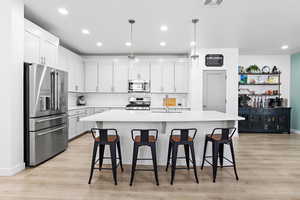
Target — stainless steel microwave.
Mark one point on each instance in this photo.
(138, 86)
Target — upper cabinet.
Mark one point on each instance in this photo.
(120, 74)
(181, 77)
(105, 76)
(39, 45)
(91, 75)
(139, 70)
(73, 64)
(169, 77)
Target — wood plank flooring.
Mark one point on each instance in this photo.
(268, 167)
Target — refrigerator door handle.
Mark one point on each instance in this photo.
(53, 90)
(56, 90)
(49, 119)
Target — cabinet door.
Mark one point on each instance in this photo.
(91, 76)
(72, 127)
(73, 71)
(120, 78)
(181, 77)
(105, 74)
(62, 59)
(79, 74)
(168, 76)
(156, 77)
(139, 70)
(31, 48)
(49, 51)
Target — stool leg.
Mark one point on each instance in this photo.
(120, 155)
(169, 154)
(204, 152)
(194, 161)
(174, 158)
(153, 151)
(93, 161)
(221, 154)
(187, 155)
(233, 160)
(134, 159)
(215, 160)
(101, 155)
(114, 161)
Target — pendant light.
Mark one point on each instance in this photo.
(194, 55)
(131, 22)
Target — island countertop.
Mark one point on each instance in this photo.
(151, 116)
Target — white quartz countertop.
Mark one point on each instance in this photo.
(149, 116)
(119, 107)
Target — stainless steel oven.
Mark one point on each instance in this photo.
(138, 86)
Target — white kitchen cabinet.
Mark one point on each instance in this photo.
(139, 70)
(31, 47)
(156, 77)
(105, 76)
(120, 76)
(72, 127)
(168, 77)
(73, 64)
(91, 75)
(39, 45)
(181, 77)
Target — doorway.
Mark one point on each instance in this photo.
(214, 90)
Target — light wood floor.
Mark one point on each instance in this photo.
(268, 166)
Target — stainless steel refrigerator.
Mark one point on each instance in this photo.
(45, 113)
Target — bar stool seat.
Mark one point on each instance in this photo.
(216, 137)
(110, 138)
(138, 139)
(177, 138)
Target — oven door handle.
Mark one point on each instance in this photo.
(50, 131)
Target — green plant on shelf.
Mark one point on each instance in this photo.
(253, 69)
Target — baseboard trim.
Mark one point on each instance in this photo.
(12, 171)
(295, 131)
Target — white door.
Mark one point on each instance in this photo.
(156, 77)
(168, 76)
(139, 71)
(31, 48)
(72, 127)
(181, 77)
(214, 90)
(62, 59)
(105, 74)
(79, 73)
(72, 72)
(91, 76)
(120, 73)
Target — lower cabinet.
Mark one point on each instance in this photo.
(77, 127)
(265, 120)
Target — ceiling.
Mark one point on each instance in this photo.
(254, 26)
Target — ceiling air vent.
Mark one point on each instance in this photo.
(212, 2)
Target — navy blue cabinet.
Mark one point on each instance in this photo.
(265, 120)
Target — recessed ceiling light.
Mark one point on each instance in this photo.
(212, 2)
(63, 11)
(128, 44)
(99, 44)
(162, 44)
(193, 43)
(85, 31)
(163, 28)
(116, 60)
(284, 47)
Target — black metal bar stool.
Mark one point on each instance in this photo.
(218, 142)
(187, 141)
(144, 137)
(104, 138)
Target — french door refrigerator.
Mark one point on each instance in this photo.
(45, 113)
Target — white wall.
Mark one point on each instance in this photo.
(283, 63)
(11, 86)
(231, 56)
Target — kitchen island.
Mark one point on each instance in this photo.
(124, 121)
